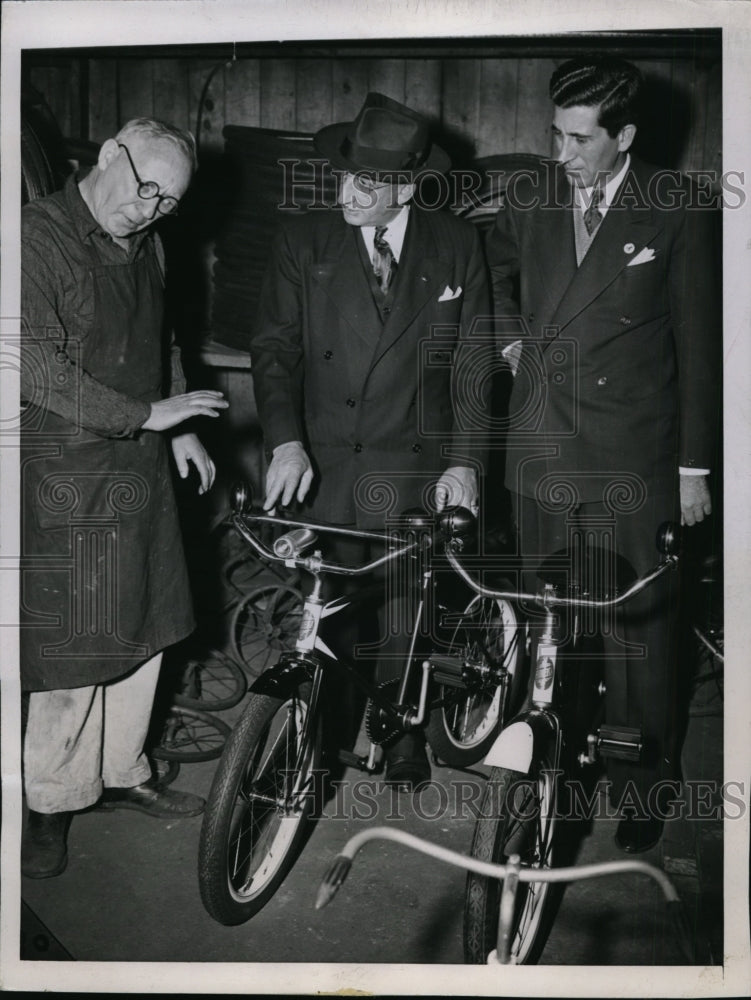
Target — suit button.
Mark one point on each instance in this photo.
(386, 310)
(350, 402)
(625, 320)
(328, 355)
(417, 448)
(358, 448)
(603, 380)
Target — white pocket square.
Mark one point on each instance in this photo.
(447, 294)
(642, 257)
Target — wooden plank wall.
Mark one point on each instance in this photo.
(482, 105)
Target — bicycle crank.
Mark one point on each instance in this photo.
(378, 726)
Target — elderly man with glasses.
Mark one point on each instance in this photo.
(104, 584)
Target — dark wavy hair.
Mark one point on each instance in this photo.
(613, 85)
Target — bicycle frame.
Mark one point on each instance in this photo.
(307, 659)
(540, 726)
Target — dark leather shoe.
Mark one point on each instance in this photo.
(150, 798)
(407, 765)
(637, 835)
(44, 852)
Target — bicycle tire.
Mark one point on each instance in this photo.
(517, 816)
(189, 736)
(464, 724)
(235, 887)
(265, 624)
(218, 682)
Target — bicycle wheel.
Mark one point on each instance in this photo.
(265, 624)
(188, 736)
(466, 720)
(213, 683)
(517, 816)
(258, 808)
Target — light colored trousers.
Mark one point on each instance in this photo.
(79, 740)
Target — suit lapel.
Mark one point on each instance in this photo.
(631, 223)
(340, 274)
(422, 277)
(554, 250)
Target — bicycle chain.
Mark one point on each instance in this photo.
(378, 727)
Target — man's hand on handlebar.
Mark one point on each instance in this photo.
(289, 476)
(166, 413)
(457, 487)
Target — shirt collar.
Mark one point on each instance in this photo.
(395, 232)
(609, 190)
(83, 220)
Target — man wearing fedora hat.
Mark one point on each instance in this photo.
(366, 314)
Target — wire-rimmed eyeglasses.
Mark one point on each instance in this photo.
(167, 205)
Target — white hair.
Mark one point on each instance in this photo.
(152, 128)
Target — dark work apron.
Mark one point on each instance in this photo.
(104, 584)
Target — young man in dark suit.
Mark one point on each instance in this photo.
(613, 335)
(365, 315)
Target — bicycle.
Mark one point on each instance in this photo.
(265, 790)
(519, 806)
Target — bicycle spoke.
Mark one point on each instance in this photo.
(267, 804)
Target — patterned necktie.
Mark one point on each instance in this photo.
(384, 264)
(591, 216)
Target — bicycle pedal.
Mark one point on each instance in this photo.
(448, 670)
(620, 742)
(359, 761)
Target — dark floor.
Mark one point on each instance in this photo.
(130, 892)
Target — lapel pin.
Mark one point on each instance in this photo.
(629, 248)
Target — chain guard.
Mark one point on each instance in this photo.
(378, 727)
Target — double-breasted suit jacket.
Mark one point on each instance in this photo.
(616, 390)
(619, 370)
(380, 390)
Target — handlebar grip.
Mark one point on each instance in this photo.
(456, 522)
(293, 543)
(240, 497)
(668, 540)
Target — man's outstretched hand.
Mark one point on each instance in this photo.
(166, 413)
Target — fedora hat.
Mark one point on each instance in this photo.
(385, 138)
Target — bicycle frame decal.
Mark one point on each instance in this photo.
(312, 615)
(544, 673)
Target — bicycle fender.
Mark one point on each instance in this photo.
(281, 680)
(519, 742)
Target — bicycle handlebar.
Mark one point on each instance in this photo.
(548, 597)
(451, 524)
(340, 867)
(314, 563)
